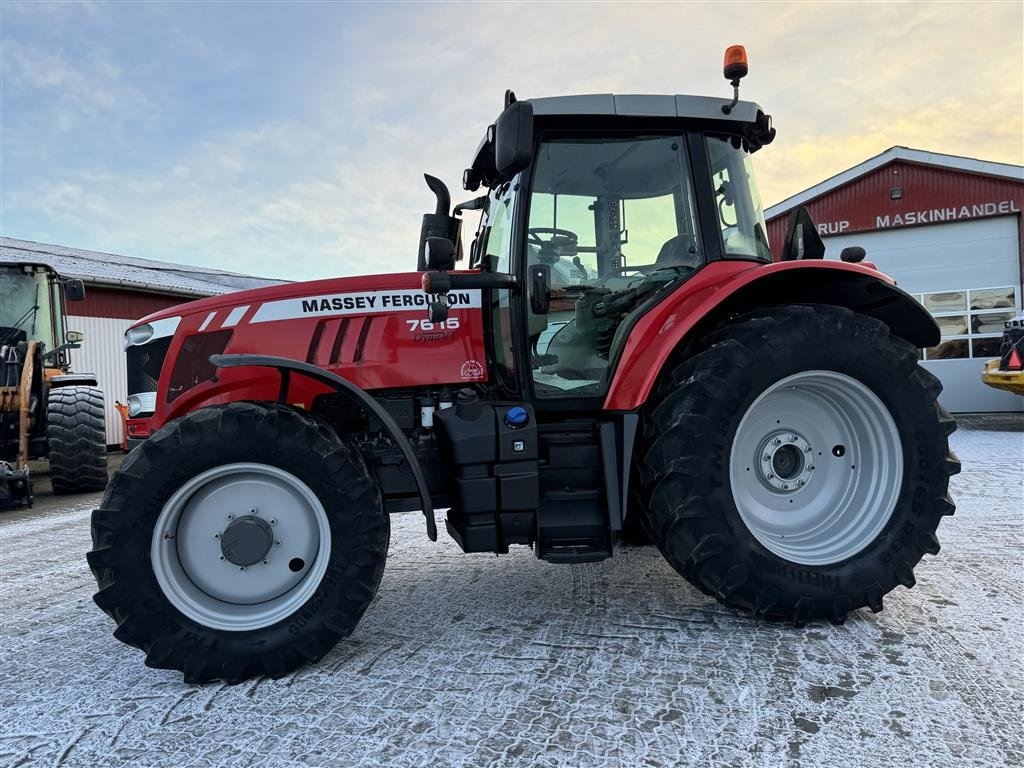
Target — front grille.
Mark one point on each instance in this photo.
(144, 363)
(193, 365)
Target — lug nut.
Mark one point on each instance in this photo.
(807, 449)
(252, 510)
(776, 441)
(273, 521)
(766, 457)
(222, 557)
(793, 438)
(241, 567)
(785, 487)
(266, 562)
(810, 468)
(216, 535)
(277, 543)
(230, 516)
(771, 476)
(801, 483)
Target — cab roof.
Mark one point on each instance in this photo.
(645, 105)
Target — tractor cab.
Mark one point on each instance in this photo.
(32, 309)
(596, 207)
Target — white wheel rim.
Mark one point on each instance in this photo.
(816, 467)
(188, 546)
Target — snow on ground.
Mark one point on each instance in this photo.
(474, 660)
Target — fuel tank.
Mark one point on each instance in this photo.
(372, 330)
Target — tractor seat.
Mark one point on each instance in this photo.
(679, 251)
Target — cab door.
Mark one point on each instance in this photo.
(614, 220)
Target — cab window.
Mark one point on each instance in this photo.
(737, 201)
(614, 219)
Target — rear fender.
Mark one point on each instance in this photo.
(726, 288)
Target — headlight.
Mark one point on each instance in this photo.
(146, 332)
(143, 402)
(140, 334)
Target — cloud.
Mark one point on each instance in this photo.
(294, 144)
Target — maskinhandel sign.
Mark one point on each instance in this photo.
(927, 216)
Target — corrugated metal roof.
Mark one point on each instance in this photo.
(922, 157)
(128, 272)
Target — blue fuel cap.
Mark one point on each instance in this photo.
(516, 417)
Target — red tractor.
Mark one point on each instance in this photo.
(621, 352)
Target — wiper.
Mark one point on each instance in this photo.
(12, 329)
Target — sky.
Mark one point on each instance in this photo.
(289, 141)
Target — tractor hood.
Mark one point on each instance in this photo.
(373, 330)
(343, 291)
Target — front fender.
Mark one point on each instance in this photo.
(726, 288)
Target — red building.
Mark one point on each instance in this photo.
(949, 230)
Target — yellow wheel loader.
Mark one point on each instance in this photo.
(45, 410)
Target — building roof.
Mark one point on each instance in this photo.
(127, 272)
(644, 105)
(906, 154)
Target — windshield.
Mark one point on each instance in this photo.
(24, 306)
(605, 210)
(740, 213)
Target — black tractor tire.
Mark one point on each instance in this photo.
(684, 456)
(77, 437)
(264, 433)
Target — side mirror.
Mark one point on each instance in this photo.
(75, 337)
(74, 290)
(802, 238)
(439, 253)
(540, 285)
(513, 139)
(853, 254)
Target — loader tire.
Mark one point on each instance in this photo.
(240, 540)
(835, 514)
(77, 439)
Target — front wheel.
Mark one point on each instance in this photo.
(798, 466)
(239, 540)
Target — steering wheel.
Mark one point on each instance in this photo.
(558, 242)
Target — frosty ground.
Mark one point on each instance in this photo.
(474, 660)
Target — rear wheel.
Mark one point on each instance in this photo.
(239, 540)
(77, 438)
(798, 466)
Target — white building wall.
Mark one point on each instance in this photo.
(951, 260)
(102, 353)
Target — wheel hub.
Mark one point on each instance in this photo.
(246, 541)
(784, 461)
(225, 561)
(816, 467)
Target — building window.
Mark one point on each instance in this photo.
(971, 321)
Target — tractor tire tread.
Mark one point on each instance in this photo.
(76, 438)
(685, 502)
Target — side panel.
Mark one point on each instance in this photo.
(724, 287)
(373, 332)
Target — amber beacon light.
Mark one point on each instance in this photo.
(735, 62)
(735, 67)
